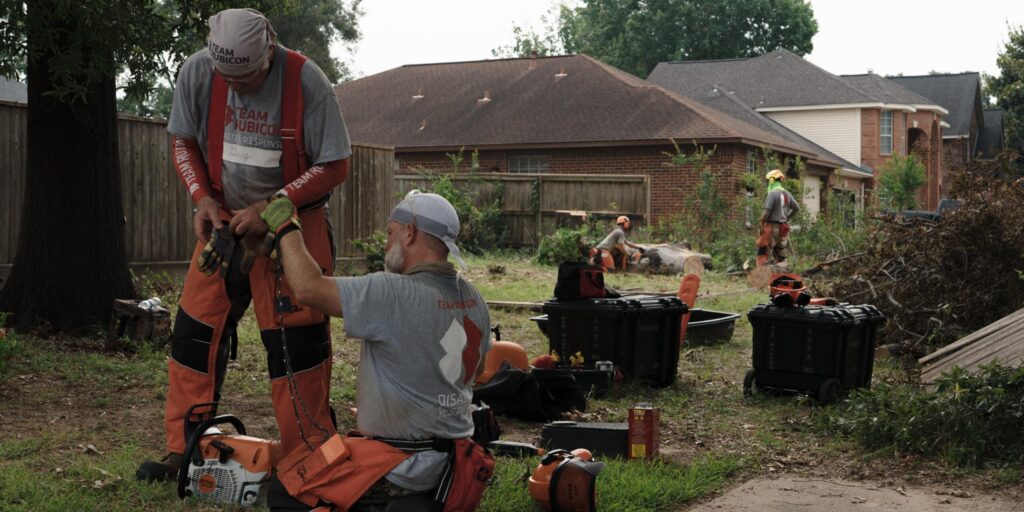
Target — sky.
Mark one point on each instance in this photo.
(888, 37)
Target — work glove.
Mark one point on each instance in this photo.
(280, 217)
(216, 256)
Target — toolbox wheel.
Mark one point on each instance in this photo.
(749, 385)
(830, 391)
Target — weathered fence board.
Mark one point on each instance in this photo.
(158, 211)
(529, 201)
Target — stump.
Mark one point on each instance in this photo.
(130, 321)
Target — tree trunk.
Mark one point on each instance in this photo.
(71, 263)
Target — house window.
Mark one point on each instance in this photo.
(885, 128)
(751, 161)
(528, 164)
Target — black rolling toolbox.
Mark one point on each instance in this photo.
(821, 351)
(638, 333)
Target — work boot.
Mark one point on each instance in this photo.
(164, 471)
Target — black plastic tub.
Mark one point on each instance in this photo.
(707, 327)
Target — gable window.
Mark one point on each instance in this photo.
(528, 164)
(885, 129)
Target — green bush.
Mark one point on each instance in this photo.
(481, 226)
(565, 244)
(373, 246)
(899, 179)
(969, 420)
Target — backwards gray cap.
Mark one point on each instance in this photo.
(239, 40)
(432, 214)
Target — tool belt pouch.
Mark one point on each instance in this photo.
(469, 471)
(485, 425)
(302, 469)
(579, 281)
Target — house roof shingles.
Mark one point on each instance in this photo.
(779, 78)
(567, 100)
(886, 90)
(959, 94)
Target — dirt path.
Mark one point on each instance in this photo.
(789, 493)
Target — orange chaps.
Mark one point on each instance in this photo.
(207, 318)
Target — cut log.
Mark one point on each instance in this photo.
(672, 259)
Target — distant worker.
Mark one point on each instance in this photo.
(616, 245)
(779, 207)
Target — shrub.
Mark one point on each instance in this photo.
(970, 420)
(373, 246)
(481, 224)
(899, 179)
(566, 244)
(8, 344)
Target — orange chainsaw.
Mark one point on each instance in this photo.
(226, 469)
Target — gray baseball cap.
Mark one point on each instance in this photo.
(239, 40)
(432, 214)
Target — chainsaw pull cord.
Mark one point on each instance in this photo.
(293, 388)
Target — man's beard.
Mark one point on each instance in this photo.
(394, 259)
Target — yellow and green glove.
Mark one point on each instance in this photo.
(281, 217)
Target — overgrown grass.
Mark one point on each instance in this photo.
(711, 434)
(968, 420)
(627, 486)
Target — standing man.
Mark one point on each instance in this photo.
(251, 120)
(424, 333)
(779, 207)
(616, 243)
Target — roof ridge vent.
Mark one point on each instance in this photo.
(419, 94)
(486, 98)
(561, 73)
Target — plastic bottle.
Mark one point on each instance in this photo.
(150, 304)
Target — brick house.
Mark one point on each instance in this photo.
(973, 132)
(863, 119)
(566, 114)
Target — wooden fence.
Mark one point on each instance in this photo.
(158, 211)
(530, 202)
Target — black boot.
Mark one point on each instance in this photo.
(164, 471)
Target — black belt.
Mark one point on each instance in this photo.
(423, 445)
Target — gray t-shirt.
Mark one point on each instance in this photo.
(616, 237)
(252, 145)
(421, 333)
(780, 205)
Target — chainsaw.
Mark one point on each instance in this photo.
(225, 469)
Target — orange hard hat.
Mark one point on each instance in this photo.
(500, 352)
(623, 220)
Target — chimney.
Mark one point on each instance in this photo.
(533, 59)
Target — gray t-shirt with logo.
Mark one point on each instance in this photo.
(616, 237)
(252, 145)
(421, 334)
(780, 205)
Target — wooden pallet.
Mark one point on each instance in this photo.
(1002, 341)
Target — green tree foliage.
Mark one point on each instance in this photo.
(527, 40)
(899, 180)
(635, 35)
(1008, 88)
(310, 26)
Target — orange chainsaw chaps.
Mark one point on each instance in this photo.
(312, 386)
(263, 278)
(688, 294)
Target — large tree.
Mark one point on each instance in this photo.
(1008, 88)
(71, 260)
(634, 35)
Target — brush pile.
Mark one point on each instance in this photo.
(938, 281)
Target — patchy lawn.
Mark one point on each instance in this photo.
(76, 421)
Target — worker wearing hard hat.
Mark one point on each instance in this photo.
(617, 245)
(779, 207)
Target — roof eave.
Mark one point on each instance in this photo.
(834, 106)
